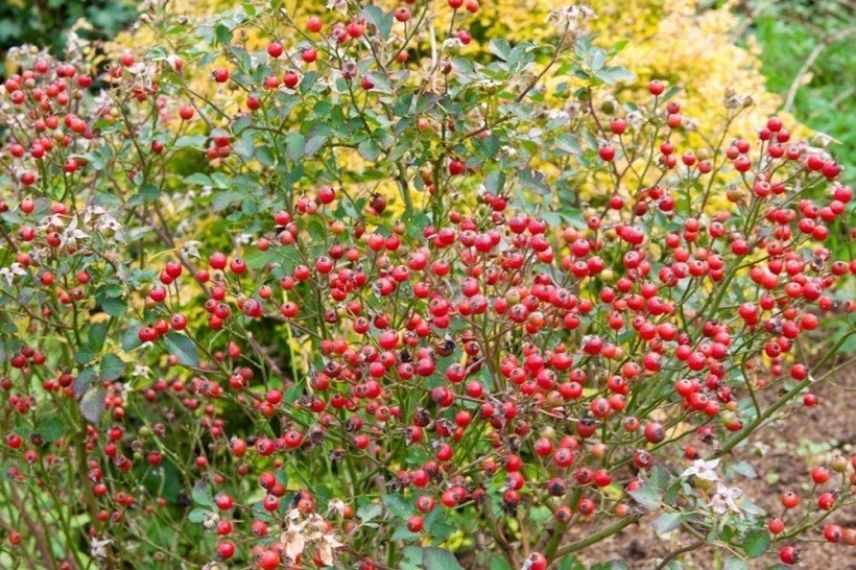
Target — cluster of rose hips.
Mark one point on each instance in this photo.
(519, 359)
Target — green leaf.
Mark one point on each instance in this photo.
(494, 182)
(650, 494)
(183, 348)
(112, 367)
(201, 494)
(440, 559)
(97, 335)
(380, 19)
(223, 200)
(369, 511)
(734, 563)
(51, 428)
(130, 338)
(92, 404)
(668, 522)
(403, 533)
(397, 505)
(113, 306)
(437, 525)
(742, 468)
(369, 150)
(197, 515)
(612, 75)
(191, 141)
(756, 542)
(534, 180)
(570, 562)
(497, 562)
(198, 179)
(314, 144)
(83, 381)
(412, 558)
(295, 144)
(500, 48)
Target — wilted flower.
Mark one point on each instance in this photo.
(725, 499)
(571, 18)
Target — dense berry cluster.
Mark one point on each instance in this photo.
(332, 316)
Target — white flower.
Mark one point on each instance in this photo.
(99, 547)
(243, 239)
(703, 470)
(108, 223)
(141, 370)
(72, 234)
(9, 273)
(725, 499)
(340, 5)
(635, 118)
(191, 249)
(210, 520)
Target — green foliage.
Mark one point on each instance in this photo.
(789, 32)
(46, 23)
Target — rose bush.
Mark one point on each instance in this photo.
(373, 303)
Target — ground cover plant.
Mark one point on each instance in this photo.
(371, 299)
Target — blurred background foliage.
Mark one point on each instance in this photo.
(793, 56)
(48, 22)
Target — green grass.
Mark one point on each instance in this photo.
(827, 101)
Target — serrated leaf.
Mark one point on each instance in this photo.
(440, 559)
(183, 348)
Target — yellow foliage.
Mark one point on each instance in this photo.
(677, 40)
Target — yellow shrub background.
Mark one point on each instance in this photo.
(676, 40)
